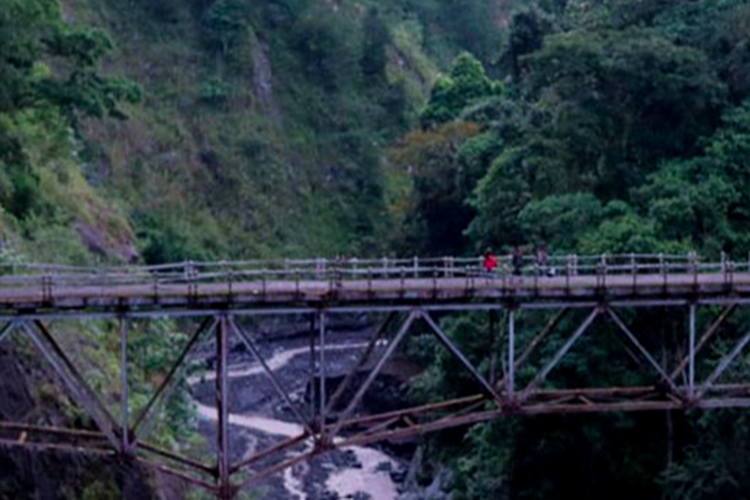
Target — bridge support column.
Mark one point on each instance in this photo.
(312, 367)
(125, 395)
(322, 373)
(495, 336)
(225, 490)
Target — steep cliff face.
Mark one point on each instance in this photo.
(28, 393)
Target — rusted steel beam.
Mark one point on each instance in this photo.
(247, 340)
(477, 399)
(593, 392)
(156, 450)
(361, 362)
(179, 366)
(552, 396)
(76, 433)
(387, 423)
(484, 385)
(392, 345)
(538, 409)
(261, 475)
(56, 447)
(71, 367)
(710, 332)
(286, 444)
(417, 410)
(74, 384)
(542, 374)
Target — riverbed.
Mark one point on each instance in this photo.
(259, 419)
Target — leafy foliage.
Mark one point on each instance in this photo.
(619, 127)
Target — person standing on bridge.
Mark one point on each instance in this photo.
(542, 258)
(517, 260)
(490, 262)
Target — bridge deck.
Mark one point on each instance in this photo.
(63, 295)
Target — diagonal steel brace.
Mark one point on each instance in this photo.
(704, 339)
(644, 352)
(723, 365)
(548, 329)
(76, 387)
(455, 352)
(277, 385)
(361, 362)
(7, 330)
(147, 414)
(392, 345)
(542, 375)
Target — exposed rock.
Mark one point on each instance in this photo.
(52, 475)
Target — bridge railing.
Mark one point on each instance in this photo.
(335, 270)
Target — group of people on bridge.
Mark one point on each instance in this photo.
(491, 262)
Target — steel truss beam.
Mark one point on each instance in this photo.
(223, 481)
(724, 364)
(79, 390)
(146, 416)
(644, 352)
(392, 345)
(709, 333)
(334, 308)
(275, 382)
(536, 341)
(116, 436)
(484, 385)
(361, 362)
(7, 330)
(551, 364)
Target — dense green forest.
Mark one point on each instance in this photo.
(150, 132)
(613, 126)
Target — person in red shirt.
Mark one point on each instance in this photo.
(490, 261)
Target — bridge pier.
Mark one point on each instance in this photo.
(125, 389)
(223, 479)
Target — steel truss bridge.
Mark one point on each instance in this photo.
(582, 290)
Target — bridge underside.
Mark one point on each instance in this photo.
(513, 382)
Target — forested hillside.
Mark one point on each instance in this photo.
(258, 129)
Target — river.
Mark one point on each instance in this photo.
(365, 474)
